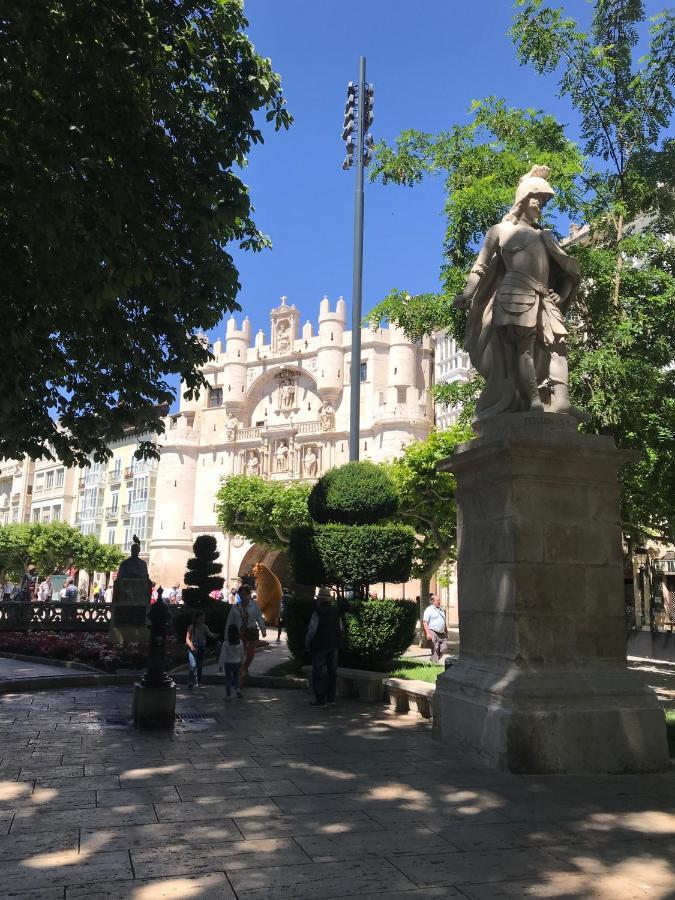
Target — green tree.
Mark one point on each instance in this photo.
(123, 126)
(623, 342)
(264, 512)
(427, 500)
(52, 548)
(202, 576)
(621, 357)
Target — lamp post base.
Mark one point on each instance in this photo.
(154, 705)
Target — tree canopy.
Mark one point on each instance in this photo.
(427, 498)
(264, 512)
(122, 129)
(622, 341)
(53, 548)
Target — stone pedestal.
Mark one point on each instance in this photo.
(154, 705)
(541, 685)
(131, 598)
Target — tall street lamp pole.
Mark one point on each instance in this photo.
(358, 118)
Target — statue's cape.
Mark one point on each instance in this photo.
(490, 355)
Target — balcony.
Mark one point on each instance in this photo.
(112, 513)
(115, 477)
(91, 518)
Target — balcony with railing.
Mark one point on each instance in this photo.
(115, 477)
(89, 517)
(112, 513)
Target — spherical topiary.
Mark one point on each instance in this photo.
(357, 493)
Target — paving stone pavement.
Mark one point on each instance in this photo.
(269, 799)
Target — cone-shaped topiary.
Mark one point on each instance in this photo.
(202, 572)
(358, 493)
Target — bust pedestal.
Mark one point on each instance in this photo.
(131, 596)
(541, 685)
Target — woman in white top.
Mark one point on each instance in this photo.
(247, 616)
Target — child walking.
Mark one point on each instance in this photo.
(231, 658)
(196, 642)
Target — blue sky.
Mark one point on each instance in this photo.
(427, 61)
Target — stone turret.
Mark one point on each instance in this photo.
(172, 539)
(237, 343)
(330, 356)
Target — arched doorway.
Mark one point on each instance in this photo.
(277, 562)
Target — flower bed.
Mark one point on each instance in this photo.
(96, 650)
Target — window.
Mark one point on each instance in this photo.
(49, 480)
(36, 515)
(58, 478)
(46, 515)
(111, 535)
(114, 501)
(364, 372)
(215, 397)
(117, 468)
(15, 514)
(39, 483)
(56, 513)
(138, 496)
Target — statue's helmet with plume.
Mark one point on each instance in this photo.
(534, 182)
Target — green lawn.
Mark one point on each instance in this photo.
(670, 729)
(403, 668)
(415, 670)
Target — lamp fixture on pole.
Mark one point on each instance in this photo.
(359, 143)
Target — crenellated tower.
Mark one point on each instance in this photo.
(330, 354)
(237, 343)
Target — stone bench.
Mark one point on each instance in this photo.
(410, 696)
(366, 686)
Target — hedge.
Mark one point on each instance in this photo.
(357, 493)
(375, 632)
(349, 554)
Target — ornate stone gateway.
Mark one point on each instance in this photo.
(541, 685)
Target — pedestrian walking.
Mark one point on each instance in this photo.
(46, 590)
(195, 639)
(109, 593)
(231, 658)
(247, 617)
(281, 621)
(71, 594)
(323, 639)
(435, 628)
(7, 591)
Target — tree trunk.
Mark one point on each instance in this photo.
(425, 587)
(619, 263)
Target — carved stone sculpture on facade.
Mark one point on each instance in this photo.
(283, 337)
(281, 457)
(517, 294)
(287, 395)
(326, 417)
(231, 427)
(253, 464)
(310, 463)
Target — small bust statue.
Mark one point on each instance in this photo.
(134, 566)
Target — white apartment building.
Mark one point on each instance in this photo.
(451, 364)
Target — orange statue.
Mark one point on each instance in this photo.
(268, 588)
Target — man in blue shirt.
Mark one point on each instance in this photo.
(435, 628)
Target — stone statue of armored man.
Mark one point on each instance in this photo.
(517, 294)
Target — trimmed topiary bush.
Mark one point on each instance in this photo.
(202, 572)
(348, 554)
(357, 493)
(375, 632)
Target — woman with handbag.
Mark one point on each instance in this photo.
(247, 616)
